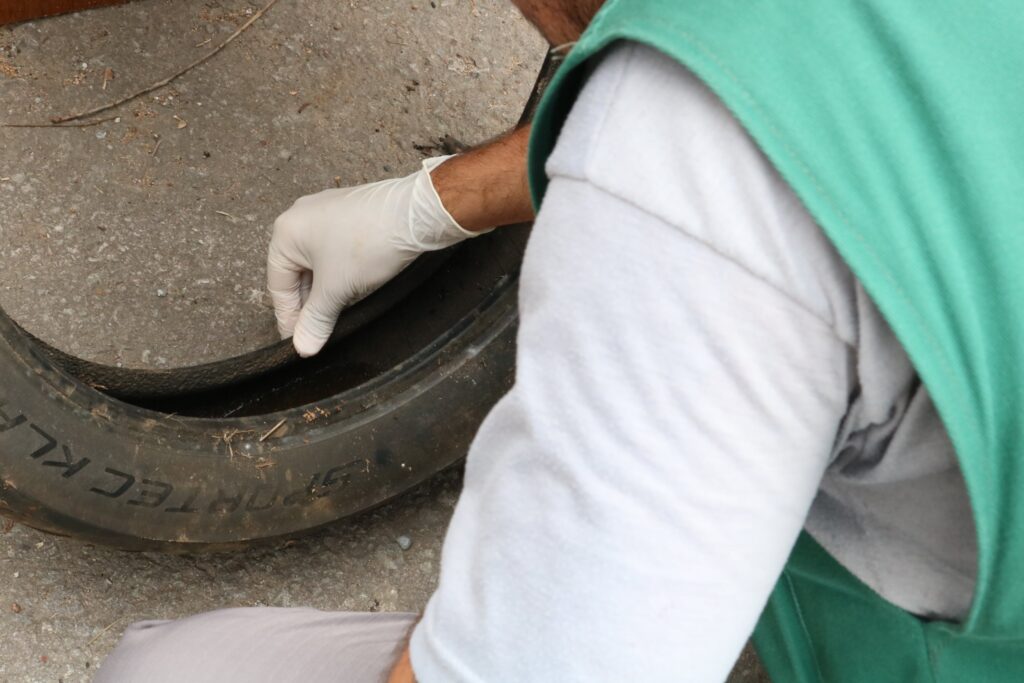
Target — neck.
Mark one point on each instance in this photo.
(560, 21)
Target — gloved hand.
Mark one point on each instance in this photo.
(333, 248)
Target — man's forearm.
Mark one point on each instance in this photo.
(487, 186)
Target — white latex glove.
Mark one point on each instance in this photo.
(333, 248)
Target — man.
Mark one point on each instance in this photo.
(776, 241)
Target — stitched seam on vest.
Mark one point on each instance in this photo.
(930, 652)
(803, 623)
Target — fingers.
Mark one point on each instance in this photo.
(316, 322)
(284, 282)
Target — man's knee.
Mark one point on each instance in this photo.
(259, 644)
(147, 651)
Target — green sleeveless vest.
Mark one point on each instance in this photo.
(900, 125)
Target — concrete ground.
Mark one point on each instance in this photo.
(140, 242)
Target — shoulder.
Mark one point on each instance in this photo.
(648, 131)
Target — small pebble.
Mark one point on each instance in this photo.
(404, 542)
(16, 608)
(161, 293)
(101, 134)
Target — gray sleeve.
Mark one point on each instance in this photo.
(630, 504)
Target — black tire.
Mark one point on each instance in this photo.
(275, 452)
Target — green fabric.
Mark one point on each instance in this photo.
(898, 124)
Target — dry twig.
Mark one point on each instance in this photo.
(87, 124)
(229, 436)
(56, 122)
(166, 81)
(100, 634)
(272, 430)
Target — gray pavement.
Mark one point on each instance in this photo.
(141, 242)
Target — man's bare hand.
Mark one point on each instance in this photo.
(402, 672)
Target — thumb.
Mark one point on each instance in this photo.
(316, 322)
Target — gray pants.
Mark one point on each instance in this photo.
(260, 644)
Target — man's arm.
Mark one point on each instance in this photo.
(628, 506)
(333, 248)
(488, 186)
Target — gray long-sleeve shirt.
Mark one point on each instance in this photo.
(699, 376)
